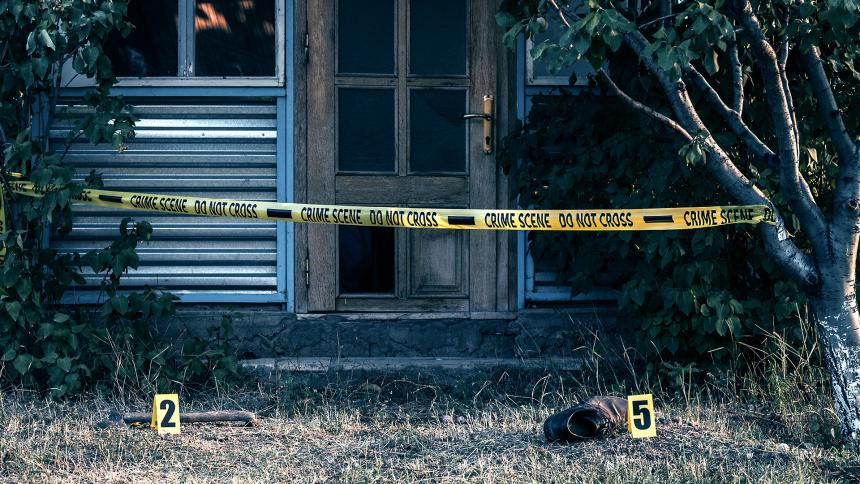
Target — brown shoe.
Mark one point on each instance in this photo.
(590, 419)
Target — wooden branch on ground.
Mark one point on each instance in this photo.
(248, 418)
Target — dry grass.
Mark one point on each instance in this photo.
(404, 432)
(769, 420)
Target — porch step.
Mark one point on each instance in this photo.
(406, 364)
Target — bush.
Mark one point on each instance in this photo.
(47, 346)
(687, 297)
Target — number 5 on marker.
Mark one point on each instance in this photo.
(165, 414)
(640, 416)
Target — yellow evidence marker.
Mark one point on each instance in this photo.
(640, 416)
(165, 413)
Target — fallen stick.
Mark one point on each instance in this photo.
(248, 418)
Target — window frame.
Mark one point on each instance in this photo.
(185, 60)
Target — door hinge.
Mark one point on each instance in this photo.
(307, 272)
(307, 48)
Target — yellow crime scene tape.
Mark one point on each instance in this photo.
(424, 218)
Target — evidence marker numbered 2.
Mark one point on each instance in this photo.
(432, 218)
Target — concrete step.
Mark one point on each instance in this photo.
(522, 335)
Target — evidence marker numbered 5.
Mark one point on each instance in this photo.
(441, 218)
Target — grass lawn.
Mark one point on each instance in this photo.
(484, 430)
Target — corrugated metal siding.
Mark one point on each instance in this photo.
(210, 148)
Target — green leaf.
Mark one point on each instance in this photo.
(505, 20)
(26, 73)
(90, 54)
(65, 364)
(736, 305)
(721, 326)
(61, 317)
(41, 66)
(734, 325)
(711, 62)
(46, 40)
(613, 40)
(120, 304)
(46, 330)
(9, 355)
(581, 43)
(538, 50)
(22, 363)
(14, 309)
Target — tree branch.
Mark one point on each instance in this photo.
(845, 201)
(659, 19)
(560, 12)
(737, 78)
(783, 78)
(793, 261)
(791, 181)
(828, 108)
(637, 106)
(731, 117)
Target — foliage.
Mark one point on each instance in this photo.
(695, 294)
(705, 288)
(46, 345)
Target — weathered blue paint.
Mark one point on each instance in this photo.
(287, 173)
(282, 238)
(521, 115)
(220, 297)
(180, 91)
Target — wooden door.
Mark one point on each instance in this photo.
(388, 84)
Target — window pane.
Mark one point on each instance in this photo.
(437, 130)
(438, 32)
(366, 259)
(151, 49)
(365, 130)
(540, 69)
(234, 38)
(365, 36)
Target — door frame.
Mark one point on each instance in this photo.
(500, 294)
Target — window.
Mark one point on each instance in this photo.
(201, 39)
(538, 72)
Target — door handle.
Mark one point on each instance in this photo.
(487, 118)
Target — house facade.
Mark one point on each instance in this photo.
(320, 101)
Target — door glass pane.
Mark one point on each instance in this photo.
(365, 36)
(365, 130)
(366, 260)
(151, 49)
(437, 36)
(437, 130)
(234, 38)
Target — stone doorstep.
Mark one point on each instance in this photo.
(398, 364)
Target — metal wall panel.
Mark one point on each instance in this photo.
(207, 148)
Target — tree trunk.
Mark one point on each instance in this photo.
(838, 325)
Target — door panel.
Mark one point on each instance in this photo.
(389, 131)
(437, 262)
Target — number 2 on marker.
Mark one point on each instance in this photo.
(165, 413)
(640, 416)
